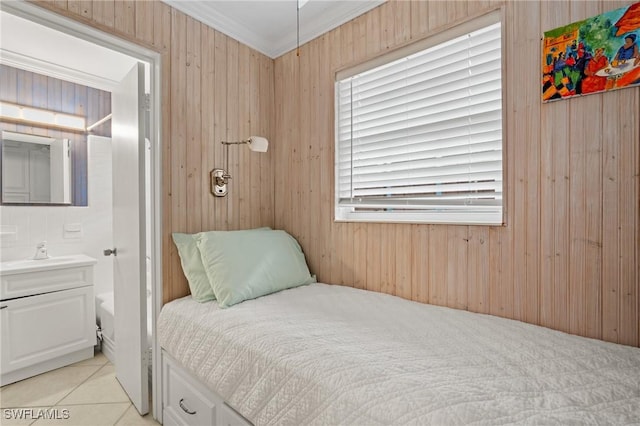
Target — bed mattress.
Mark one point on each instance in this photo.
(324, 354)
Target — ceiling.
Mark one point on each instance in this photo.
(33, 47)
(269, 26)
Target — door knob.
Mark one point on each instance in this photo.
(109, 252)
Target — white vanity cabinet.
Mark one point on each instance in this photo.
(47, 315)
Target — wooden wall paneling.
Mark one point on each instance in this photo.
(457, 9)
(360, 238)
(162, 37)
(373, 31)
(311, 151)
(419, 18)
(594, 207)
(629, 321)
(581, 128)
(527, 19)
(326, 178)
(161, 30)
(178, 145)
(457, 262)
(300, 212)
(315, 139)
(158, 26)
(266, 99)
(144, 17)
(124, 17)
(353, 45)
(496, 305)
(73, 6)
(233, 129)
(61, 4)
(436, 15)
(619, 136)
(241, 192)
(217, 207)
(386, 237)
(403, 259)
(478, 269)
(207, 137)
(478, 6)
(282, 70)
(401, 13)
(438, 258)
(516, 134)
(97, 12)
(420, 263)
(255, 119)
(195, 177)
(554, 195)
(502, 278)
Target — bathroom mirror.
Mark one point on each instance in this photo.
(35, 169)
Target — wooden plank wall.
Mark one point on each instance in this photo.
(27, 88)
(213, 89)
(568, 256)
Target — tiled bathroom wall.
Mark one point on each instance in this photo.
(68, 230)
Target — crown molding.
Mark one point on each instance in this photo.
(311, 31)
(38, 66)
(206, 13)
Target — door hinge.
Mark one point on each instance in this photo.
(147, 102)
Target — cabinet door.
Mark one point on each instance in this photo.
(39, 328)
(40, 175)
(15, 169)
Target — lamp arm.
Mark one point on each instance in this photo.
(236, 143)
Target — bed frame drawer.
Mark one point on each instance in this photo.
(186, 401)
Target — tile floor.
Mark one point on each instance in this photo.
(88, 390)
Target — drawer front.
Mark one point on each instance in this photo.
(184, 400)
(30, 283)
(39, 328)
(168, 419)
(229, 417)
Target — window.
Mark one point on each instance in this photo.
(419, 132)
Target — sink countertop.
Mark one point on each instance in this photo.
(12, 267)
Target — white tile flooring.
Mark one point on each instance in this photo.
(87, 390)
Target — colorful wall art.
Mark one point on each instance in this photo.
(591, 56)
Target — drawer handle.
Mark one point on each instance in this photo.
(185, 409)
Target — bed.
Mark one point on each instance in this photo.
(324, 354)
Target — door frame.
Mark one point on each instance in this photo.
(77, 29)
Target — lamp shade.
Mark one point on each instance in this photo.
(258, 144)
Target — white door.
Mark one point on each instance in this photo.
(129, 266)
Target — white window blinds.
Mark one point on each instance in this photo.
(419, 139)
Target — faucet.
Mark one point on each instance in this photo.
(41, 251)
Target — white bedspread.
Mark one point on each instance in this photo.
(328, 355)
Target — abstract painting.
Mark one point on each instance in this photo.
(591, 56)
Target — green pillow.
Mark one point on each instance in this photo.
(243, 265)
(192, 267)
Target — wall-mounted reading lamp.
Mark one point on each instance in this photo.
(220, 177)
